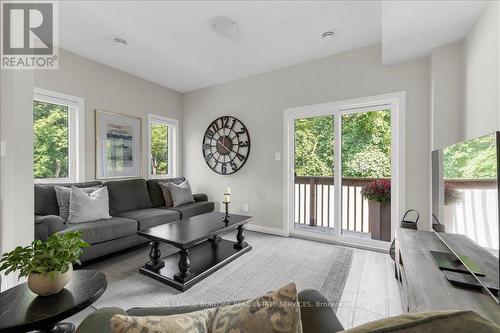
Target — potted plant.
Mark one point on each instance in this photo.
(378, 193)
(47, 264)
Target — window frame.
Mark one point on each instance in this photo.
(76, 133)
(173, 141)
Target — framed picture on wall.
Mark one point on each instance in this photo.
(118, 145)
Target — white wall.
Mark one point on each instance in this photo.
(447, 95)
(259, 101)
(108, 89)
(16, 163)
(481, 75)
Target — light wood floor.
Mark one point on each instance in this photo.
(371, 291)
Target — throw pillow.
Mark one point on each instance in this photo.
(193, 322)
(181, 193)
(276, 311)
(430, 322)
(85, 207)
(63, 195)
(167, 196)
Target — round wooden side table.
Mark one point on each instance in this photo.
(22, 311)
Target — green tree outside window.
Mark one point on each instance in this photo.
(50, 136)
(159, 149)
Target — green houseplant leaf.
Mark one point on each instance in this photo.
(53, 255)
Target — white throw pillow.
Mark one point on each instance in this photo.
(91, 207)
(63, 195)
(181, 194)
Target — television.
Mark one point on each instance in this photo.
(465, 204)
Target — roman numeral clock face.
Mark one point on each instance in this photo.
(226, 145)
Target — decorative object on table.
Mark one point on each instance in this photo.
(378, 193)
(226, 201)
(118, 145)
(47, 264)
(436, 225)
(226, 145)
(32, 312)
(408, 223)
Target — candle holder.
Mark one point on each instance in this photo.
(226, 218)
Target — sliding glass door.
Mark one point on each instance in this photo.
(313, 177)
(366, 174)
(340, 172)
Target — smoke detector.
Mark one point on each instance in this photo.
(225, 26)
(120, 41)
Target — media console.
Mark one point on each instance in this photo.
(424, 287)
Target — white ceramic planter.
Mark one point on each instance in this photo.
(47, 284)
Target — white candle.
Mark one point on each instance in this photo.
(228, 190)
(227, 198)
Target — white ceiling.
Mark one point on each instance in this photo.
(412, 29)
(172, 43)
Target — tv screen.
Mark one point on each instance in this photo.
(465, 205)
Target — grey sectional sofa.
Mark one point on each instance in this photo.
(134, 204)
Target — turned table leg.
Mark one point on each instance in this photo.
(155, 254)
(240, 237)
(184, 266)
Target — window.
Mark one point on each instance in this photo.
(162, 146)
(57, 137)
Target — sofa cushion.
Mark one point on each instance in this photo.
(46, 199)
(276, 311)
(127, 195)
(193, 209)
(155, 191)
(181, 194)
(151, 217)
(432, 322)
(193, 322)
(88, 207)
(105, 230)
(63, 195)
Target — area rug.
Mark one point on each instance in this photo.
(273, 262)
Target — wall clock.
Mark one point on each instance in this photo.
(226, 145)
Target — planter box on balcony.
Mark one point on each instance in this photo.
(379, 219)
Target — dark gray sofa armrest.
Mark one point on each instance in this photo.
(99, 321)
(316, 313)
(199, 197)
(46, 225)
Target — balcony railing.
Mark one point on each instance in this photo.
(314, 202)
(475, 214)
(314, 207)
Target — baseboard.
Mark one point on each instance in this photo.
(266, 230)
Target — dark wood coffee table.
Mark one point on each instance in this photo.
(23, 311)
(202, 251)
